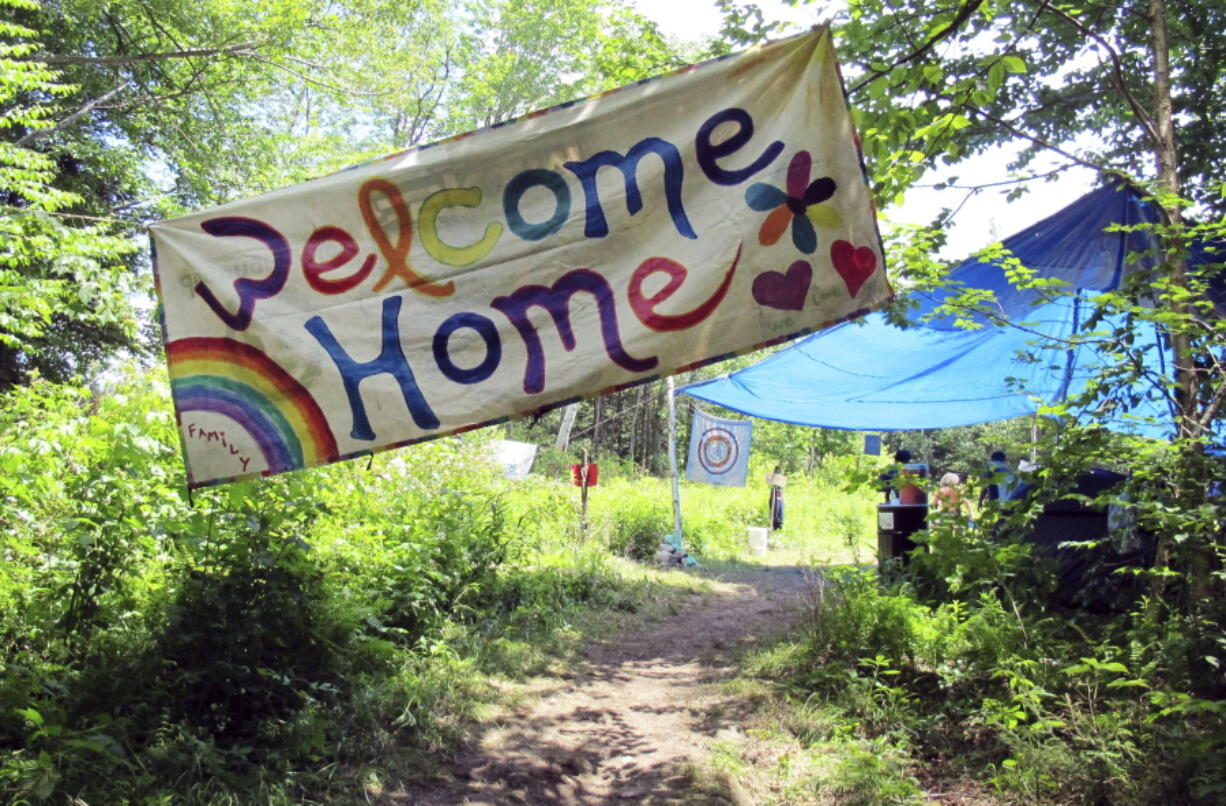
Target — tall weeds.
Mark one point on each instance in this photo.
(281, 640)
(965, 671)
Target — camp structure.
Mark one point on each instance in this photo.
(937, 373)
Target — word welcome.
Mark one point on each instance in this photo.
(341, 271)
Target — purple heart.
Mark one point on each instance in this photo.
(775, 289)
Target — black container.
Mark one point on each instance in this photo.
(1088, 554)
(895, 525)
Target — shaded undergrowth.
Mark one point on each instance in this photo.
(885, 697)
(292, 640)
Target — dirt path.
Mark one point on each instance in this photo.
(626, 725)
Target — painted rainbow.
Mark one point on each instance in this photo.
(236, 380)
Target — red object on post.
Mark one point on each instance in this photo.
(577, 475)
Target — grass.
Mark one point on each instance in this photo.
(823, 524)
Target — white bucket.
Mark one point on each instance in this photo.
(757, 539)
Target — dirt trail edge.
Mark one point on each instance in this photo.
(626, 725)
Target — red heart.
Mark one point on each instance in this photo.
(853, 265)
(786, 292)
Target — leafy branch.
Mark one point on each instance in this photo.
(244, 49)
(37, 134)
(1117, 69)
(949, 30)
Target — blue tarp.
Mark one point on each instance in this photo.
(871, 375)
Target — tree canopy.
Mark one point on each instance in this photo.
(1071, 81)
(115, 114)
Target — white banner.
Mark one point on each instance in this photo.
(573, 252)
(719, 450)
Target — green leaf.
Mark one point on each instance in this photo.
(996, 76)
(1013, 64)
(31, 715)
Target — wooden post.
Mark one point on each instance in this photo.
(583, 494)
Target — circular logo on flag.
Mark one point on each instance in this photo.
(717, 450)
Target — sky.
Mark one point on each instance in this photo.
(984, 219)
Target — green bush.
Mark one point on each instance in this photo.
(220, 647)
(249, 642)
(852, 618)
(633, 520)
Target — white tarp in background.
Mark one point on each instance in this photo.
(515, 457)
(575, 251)
(719, 450)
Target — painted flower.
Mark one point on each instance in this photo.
(801, 206)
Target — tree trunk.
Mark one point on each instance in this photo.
(618, 424)
(598, 426)
(636, 427)
(569, 415)
(1194, 562)
(656, 449)
(1166, 153)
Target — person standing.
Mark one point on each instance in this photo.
(949, 497)
(1000, 479)
(901, 457)
(776, 481)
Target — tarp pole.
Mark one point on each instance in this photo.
(672, 460)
